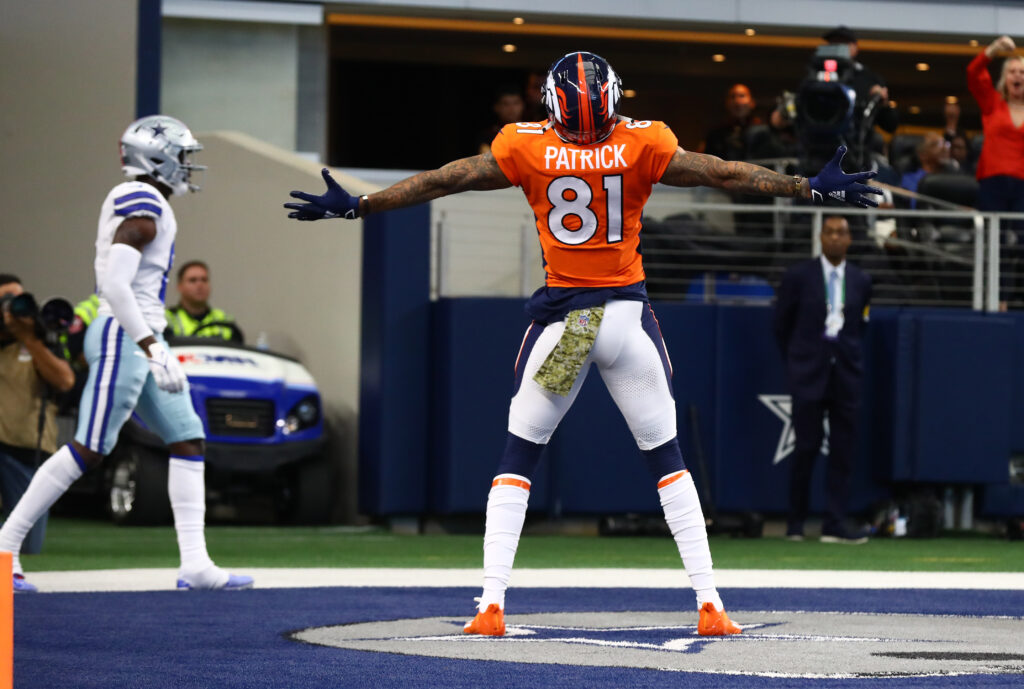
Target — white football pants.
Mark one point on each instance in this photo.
(629, 353)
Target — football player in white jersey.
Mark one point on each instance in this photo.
(130, 367)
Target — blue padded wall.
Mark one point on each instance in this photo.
(938, 408)
(1017, 383)
(944, 391)
(596, 467)
(475, 346)
(747, 365)
(962, 384)
(395, 362)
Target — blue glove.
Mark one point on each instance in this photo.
(836, 184)
(334, 203)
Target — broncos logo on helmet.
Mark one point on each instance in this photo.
(581, 94)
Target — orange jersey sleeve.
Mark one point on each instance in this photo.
(587, 199)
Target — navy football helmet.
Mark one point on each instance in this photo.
(581, 94)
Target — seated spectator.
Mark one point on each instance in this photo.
(960, 153)
(728, 140)
(902, 152)
(951, 113)
(533, 109)
(777, 139)
(508, 107)
(933, 154)
(193, 316)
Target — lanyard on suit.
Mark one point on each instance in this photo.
(834, 320)
(842, 292)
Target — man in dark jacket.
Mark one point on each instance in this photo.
(819, 325)
(872, 96)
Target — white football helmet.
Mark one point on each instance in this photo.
(161, 147)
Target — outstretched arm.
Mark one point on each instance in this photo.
(697, 169)
(477, 173)
(688, 169)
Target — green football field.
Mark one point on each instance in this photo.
(76, 544)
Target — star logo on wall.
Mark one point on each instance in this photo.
(782, 407)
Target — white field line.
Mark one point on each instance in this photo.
(164, 579)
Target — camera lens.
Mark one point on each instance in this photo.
(56, 314)
(24, 306)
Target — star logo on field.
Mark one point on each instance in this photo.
(671, 638)
(782, 407)
(677, 638)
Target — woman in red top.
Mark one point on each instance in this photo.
(1001, 166)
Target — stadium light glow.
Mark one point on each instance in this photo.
(717, 38)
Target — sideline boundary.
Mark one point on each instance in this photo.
(268, 578)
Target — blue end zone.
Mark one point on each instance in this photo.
(215, 639)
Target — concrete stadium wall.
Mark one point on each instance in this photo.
(242, 76)
(68, 86)
(297, 282)
(68, 92)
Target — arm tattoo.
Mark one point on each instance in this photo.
(697, 169)
(478, 173)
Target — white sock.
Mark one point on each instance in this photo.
(506, 512)
(187, 490)
(50, 481)
(686, 521)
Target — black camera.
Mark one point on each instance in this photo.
(826, 109)
(52, 318)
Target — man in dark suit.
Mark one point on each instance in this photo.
(819, 325)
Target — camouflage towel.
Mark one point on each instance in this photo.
(560, 370)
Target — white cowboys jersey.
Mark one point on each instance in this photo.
(133, 200)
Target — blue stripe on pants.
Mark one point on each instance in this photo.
(110, 388)
(99, 379)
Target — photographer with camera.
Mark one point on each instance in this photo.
(869, 87)
(839, 103)
(30, 372)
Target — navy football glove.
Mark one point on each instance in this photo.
(836, 184)
(334, 203)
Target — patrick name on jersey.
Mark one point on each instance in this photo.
(607, 157)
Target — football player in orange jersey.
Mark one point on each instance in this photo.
(587, 173)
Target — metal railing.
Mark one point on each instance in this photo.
(702, 251)
(957, 258)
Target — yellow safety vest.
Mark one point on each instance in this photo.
(87, 309)
(181, 324)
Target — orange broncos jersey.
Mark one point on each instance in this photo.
(587, 199)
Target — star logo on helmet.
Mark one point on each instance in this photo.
(158, 129)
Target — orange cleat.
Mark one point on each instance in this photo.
(490, 622)
(715, 623)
